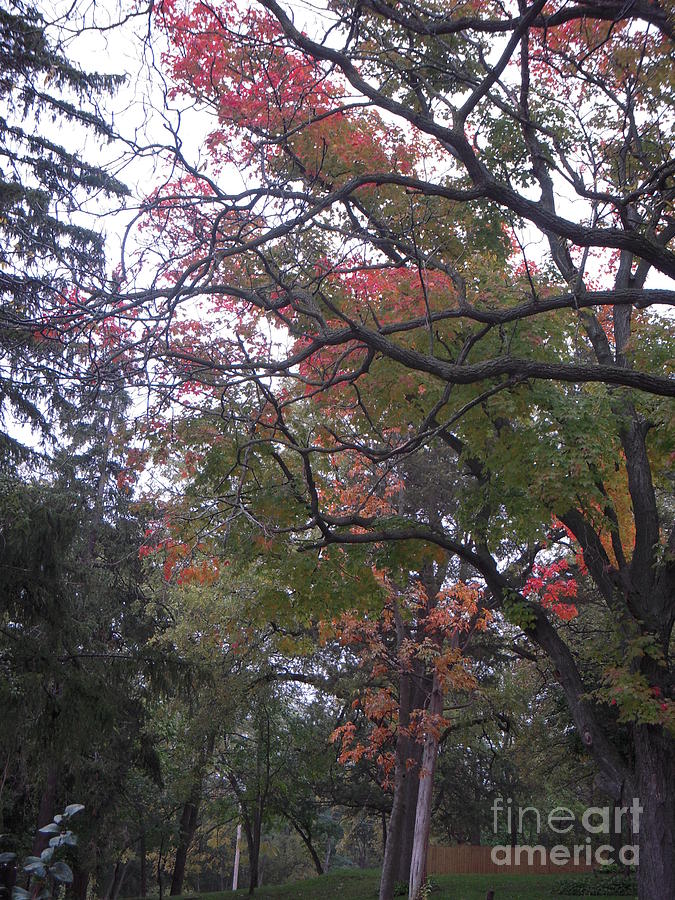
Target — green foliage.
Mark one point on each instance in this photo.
(47, 873)
(75, 654)
(36, 83)
(44, 247)
(518, 611)
(355, 884)
(599, 884)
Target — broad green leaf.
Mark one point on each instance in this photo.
(72, 808)
(61, 872)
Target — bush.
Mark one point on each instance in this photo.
(599, 885)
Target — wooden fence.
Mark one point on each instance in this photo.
(466, 859)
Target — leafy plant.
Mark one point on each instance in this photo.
(602, 885)
(45, 873)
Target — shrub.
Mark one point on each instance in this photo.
(600, 885)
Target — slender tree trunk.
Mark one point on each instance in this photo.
(237, 856)
(106, 893)
(513, 830)
(390, 862)
(119, 882)
(329, 854)
(160, 882)
(307, 841)
(418, 861)
(188, 822)
(143, 859)
(115, 883)
(656, 793)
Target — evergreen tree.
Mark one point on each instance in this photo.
(45, 249)
(75, 624)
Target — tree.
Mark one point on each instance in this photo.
(415, 650)
(48, 246)
(73, 642)
(371, 293)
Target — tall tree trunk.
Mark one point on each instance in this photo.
(513, 830)
(390, 863)
(656, 793)
(119, 881)
(419, 696)
(188, 826)
(418, 861)
(160, 880)
(143, 860)
(400, 834)
(253, 840)
(411, 792)
(46, 810)
(188, 821)
(115, 882)
(80, 884)
(307, 841)
(329, 854)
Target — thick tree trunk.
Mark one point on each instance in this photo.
(253, 857)
(656, 793)
(188, 826)
(411, 790)
(401, 831)
(392, 850)
(418, 860)
(392, 853)
(46, 810)
(80, 883)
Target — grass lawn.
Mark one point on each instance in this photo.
(357, 884)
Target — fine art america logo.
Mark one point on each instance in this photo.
(596, 820)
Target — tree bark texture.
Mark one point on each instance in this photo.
(418, 861)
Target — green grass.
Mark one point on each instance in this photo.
(358, 884)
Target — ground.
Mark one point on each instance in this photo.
(358, 884)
